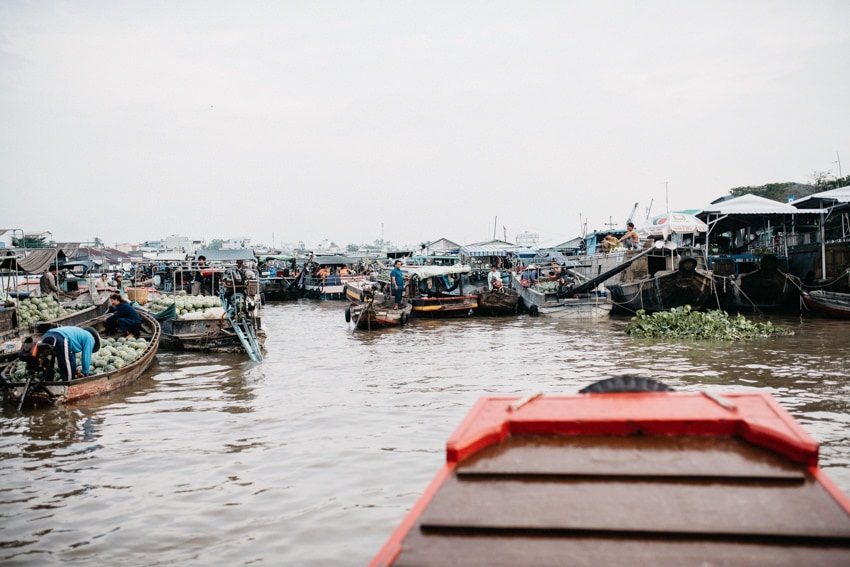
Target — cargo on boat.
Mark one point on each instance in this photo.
(38, 386)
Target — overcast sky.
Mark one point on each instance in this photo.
(408, 121)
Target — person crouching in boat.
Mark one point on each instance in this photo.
(125, 319)
(494, 279)
(66, 343)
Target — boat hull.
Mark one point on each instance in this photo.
(443, 307)
(765, 288)
(638, 478)
(204, 335)
(828, 303)
(368, 316)
(664, 290)
(502, 302)
(61, 392)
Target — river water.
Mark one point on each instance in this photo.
(313, 456)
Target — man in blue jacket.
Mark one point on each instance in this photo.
(66, 343)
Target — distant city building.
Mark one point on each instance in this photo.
(527, 238)
(236, 243)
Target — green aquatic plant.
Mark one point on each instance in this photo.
(683, 322)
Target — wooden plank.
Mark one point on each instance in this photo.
(422, 550)
(683, 457)
(710, 508)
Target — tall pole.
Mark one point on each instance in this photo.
(840, 175)
(495, 223)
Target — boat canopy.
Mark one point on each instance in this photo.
(495, 249)
(334, 260)
(423, 272)
(233, 255)
(34, 261)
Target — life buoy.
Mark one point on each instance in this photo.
(687, 264)
(348, 314)
(404, 318)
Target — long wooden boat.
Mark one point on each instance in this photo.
(665, 289)
(766, 287)
(11, 339)
(627, 478)
(504, 301)
(829, 303)
(437, 291)
(52, 392)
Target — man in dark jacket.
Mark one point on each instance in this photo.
(124, 319)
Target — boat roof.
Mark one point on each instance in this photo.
(423, 272)
(334, 260)
(659, 478)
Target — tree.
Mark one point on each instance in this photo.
(351, 248)
(215, 244)
(98, 243)
(30, 242)
(775, 191)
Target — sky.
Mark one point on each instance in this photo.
(354, 121)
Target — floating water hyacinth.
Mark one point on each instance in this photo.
(683, 322)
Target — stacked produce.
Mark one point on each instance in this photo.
(184, 303)
(37, 309)
(113, 355)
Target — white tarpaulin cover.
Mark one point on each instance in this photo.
(423, 272)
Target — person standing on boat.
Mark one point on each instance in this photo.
(198, 286)
(125, 318)
(397, 283)
(48, 284)
(66, 343)
(494, 278)
(630, 239)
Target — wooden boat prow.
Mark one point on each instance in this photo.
(649, 478)
(57, 392)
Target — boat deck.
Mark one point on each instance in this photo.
(626, 499)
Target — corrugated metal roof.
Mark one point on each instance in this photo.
(824, 198)
(749, 205)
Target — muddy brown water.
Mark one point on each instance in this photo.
(315, 455)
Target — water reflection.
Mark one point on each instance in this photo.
(313, 456)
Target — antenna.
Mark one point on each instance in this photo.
(649, 208)
(610, 223)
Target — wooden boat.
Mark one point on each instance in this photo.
(235, 327)
(765, 287)
(205, 335)
(332, 285)
(50, 392)
(665, 289)
(504, 301)
(371, 308)
(829, 303)
(545, 300)
(627, 478)
(437, 291)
